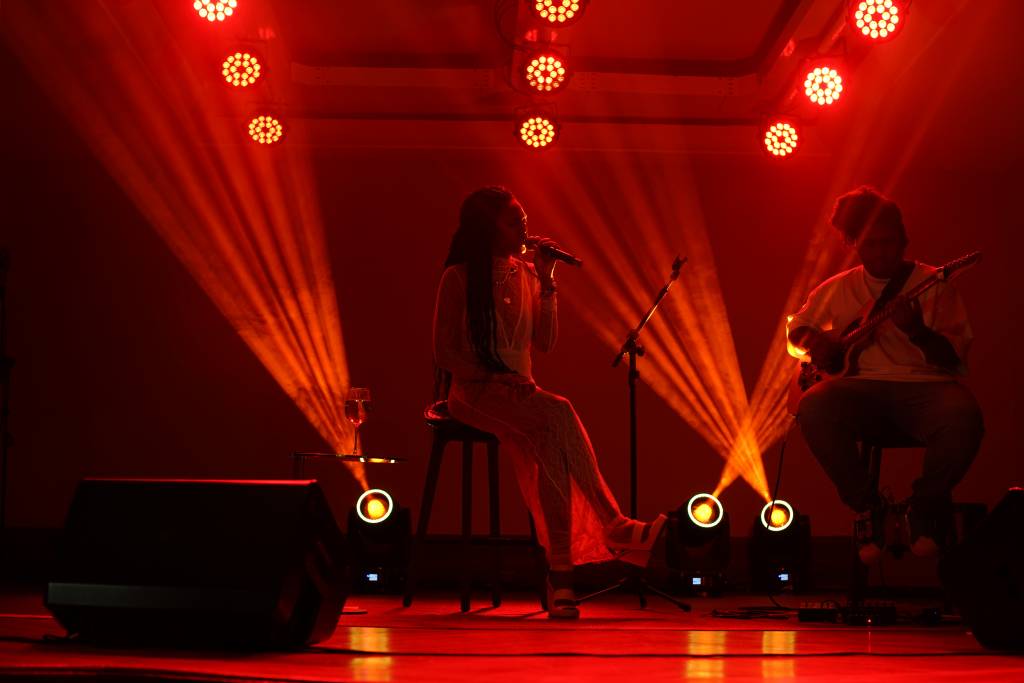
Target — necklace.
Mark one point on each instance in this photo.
(512, 270)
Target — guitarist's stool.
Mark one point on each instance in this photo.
(871, 457)
(447, 429)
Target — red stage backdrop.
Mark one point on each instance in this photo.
(125, 367)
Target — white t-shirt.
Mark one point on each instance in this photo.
(846, 297)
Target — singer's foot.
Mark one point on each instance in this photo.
(632, 541)
(561, 598)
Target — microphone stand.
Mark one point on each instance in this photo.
(631, 347)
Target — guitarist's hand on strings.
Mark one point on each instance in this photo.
(908, 316)
(937, 349)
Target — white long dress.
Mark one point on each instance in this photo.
(553, 458)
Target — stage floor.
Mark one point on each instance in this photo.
(432, 641)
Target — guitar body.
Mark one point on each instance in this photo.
(812, 372)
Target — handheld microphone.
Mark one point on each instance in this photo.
(532, 241)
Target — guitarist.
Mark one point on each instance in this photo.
(902, 382)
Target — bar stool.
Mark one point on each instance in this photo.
(871, 448)
(447, 429)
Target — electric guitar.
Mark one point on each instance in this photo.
(859, 334)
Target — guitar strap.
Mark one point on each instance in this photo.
(892, 288)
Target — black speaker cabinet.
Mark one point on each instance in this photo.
(250, 564)
(985, 576)
(777, 554)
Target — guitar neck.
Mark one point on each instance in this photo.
(869, 325)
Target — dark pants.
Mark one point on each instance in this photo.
(944, 416)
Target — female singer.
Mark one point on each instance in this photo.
(492, 309)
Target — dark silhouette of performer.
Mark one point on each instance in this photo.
(903, 382)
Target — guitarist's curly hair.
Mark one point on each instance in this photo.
(864, 207)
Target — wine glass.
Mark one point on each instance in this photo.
(357, 405)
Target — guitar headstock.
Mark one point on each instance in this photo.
(946, 272)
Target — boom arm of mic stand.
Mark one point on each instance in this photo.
(634, 334)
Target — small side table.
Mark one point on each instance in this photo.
(299, 460)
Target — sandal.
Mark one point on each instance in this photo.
(562, 602)
(637, 550)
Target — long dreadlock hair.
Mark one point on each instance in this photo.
(473, 246)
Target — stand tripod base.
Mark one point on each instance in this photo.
(637, 584)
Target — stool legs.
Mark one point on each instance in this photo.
(873, 459)
(871, 456)
(467, 524)
(427, 502)
(495, 506)
(466, 541)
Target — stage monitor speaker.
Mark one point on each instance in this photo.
(250, 564)
(985, 576)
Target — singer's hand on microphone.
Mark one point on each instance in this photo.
(543, 261)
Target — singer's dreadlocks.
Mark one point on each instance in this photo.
(473, 246)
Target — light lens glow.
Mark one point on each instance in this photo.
(781, 139)
(705, 510)
(266, 130)
(215, 11)
(823, 85)
(537, 132)
(877, 20)
(777, 517)
(558, 11)
(545, 73)
(241, 69)
(374, 506)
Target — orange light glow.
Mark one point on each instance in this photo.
(780, 139)
(877, 20)
(537, 132)
(768, 419)
(690, 360)
(241, 69)
(823, 85)
(703, 513)
(246, 226)
(376, 667)
(215, 11)
(545, 73)
(376, 508)
(777, 515)
(705, 510)
(776, 668)
(558, 11)
(265, 130)
(707, 658)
